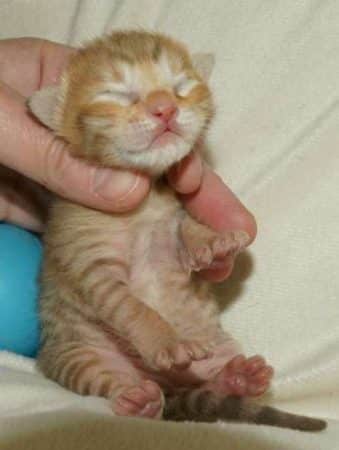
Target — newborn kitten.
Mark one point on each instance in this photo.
(123, 314)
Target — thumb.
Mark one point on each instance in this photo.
(34, 151)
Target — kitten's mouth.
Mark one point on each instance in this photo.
(168, 134)
(163, 139)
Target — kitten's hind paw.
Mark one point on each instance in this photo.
(143, 400)
(243, 376)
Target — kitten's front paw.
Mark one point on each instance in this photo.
(205, 246)
(243, 376)
(179, 355)
(143, 400)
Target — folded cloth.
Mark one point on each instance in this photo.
(37, 414)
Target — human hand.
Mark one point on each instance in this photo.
(27, 65)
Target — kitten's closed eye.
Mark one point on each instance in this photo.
(122, 97)
(184, 85)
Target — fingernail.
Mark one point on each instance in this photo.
(115, 185)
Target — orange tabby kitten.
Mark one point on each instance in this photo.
(123, 315)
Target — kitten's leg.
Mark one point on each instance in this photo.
(202, 245)
(229, 372)
(242, 376)
(88, 370)
(153, 338)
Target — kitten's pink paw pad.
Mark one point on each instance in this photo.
(144, 400)
(180, 355)
(214, 248)
(243, 377)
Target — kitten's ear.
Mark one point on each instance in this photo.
(43, 105)
(203, 64)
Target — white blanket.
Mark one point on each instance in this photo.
(275, 141)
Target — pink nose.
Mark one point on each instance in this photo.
(165, 113)
(160, 104)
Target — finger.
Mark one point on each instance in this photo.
(185, 177)
(214, 204)
(53, 60)
(32, 150)
(41, 61)
(13, 213)
(23, 202)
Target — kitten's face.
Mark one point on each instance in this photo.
(134, 100)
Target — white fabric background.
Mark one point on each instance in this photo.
(275, 141)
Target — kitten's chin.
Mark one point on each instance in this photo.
(164, 151)
(165, 139)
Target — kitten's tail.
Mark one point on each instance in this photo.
(204, 406)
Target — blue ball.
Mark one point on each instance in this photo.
(20, 259)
